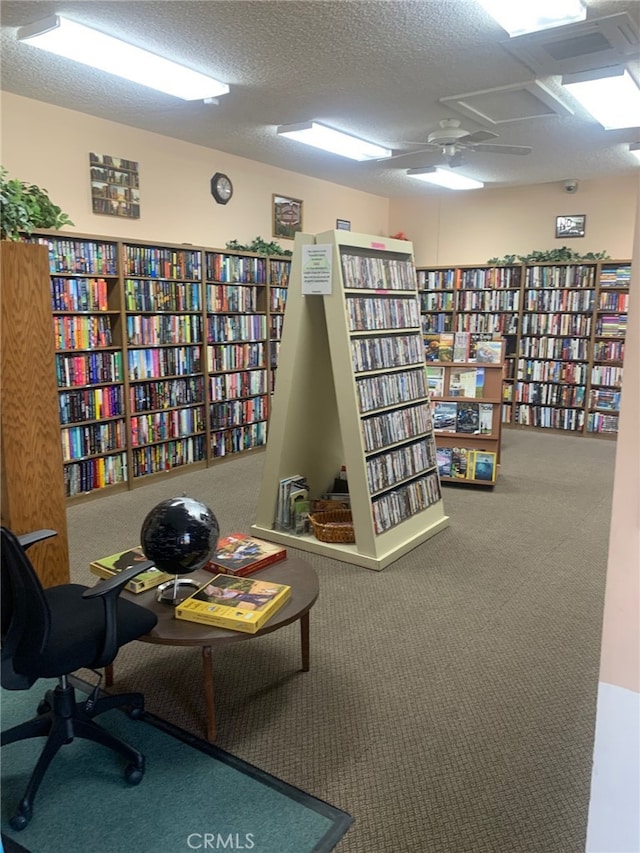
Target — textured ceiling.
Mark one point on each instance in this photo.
(376, 69)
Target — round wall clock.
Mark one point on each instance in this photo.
(221, 188)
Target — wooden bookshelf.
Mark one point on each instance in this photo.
(163, 355)
(31, 452)
(352, 391)
(563, 325)
(279, 271)
(467, 401)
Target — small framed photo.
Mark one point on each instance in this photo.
(287, 216)
(571, 226)
(343, 225)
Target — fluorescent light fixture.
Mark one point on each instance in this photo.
(635, 149)
(443, 178)
(610, 94)
(518, 17)
(328, 139)
(59, 35)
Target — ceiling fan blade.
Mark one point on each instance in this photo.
(501, 149)
(480, 136)
(398, 154)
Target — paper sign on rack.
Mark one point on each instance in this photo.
(316, 270)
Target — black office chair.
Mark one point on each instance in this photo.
(50, 633)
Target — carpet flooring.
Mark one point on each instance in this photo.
(191, 791)
(450, 704)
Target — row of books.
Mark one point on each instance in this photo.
(370, 313)
(156, 363)
(238, 438)
(90, 404)
(463, 382)
(154, 330)
(223, 328)
(80, 256)
(166, 393)
(93, 368)
(464, 417)
(79, 294)
(376, 273)
(464, 463)
(376, 392)
(234, 268)
(91, 439)
(380, 352)
(230, 599)
(236, 356)
(89, 474)
(72, 332)
(232, 297)
(160, 262)
(161, 295)
(463, 347)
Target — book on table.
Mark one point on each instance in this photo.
(238, 603)
(239, 554)
(107, 567)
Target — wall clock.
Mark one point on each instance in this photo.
(221, 188)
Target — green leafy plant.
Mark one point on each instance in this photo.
(25, 207)
(259, 246)
(561, 255)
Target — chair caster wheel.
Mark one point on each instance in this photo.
(133, 775)
(19, 821)
(136, 713)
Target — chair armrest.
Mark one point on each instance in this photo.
(118, 581)
(109, 590)
(27, 539)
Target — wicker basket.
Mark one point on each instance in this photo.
(335, 525)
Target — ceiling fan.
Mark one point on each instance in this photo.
(452, 141)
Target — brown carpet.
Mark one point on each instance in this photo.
(450, 704)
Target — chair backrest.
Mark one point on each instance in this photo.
(25, 616)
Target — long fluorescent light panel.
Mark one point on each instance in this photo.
(611, 95)
(335, 141)
(59, 35)
(443, 178)
(518, 17)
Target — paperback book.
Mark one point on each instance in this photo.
(489, 352)
(483, 465)
(459, 463)
(241, 555)
(444, 416)
(108, 567)
(485, 424)
(445, 346)
(468, 418)
(443, 455)
(237, 603)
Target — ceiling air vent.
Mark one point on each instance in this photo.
(613, 40)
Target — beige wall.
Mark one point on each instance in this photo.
(50, 146)
(471, 227)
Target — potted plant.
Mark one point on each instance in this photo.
(25, 207)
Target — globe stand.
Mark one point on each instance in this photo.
(174, 592)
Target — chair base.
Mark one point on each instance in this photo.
(60, 719)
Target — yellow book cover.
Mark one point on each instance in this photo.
(238, 603)
(107, 567)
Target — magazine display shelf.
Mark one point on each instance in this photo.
(320, 420)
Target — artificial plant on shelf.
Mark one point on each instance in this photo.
(25, 207)
(561, 255)
(259, 247)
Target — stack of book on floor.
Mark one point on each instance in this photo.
(107, 567)
(239, 603)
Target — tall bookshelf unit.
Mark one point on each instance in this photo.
(32, 480)
(237, 351)
(605, 385)
(352, 391)
(164, 343)
(86, 301)
(564, 326)
(554, 346)
(279, 271)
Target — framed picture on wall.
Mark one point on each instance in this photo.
(571, 226)
(115, 186)
(343, 225)
(287, 216)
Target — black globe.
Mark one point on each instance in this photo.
(179, 535)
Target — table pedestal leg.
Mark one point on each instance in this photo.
(304, 641)
(208, 694)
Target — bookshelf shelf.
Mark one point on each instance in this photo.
(352, 361)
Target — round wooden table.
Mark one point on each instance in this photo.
(170, 631)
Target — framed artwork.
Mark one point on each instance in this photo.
(115, 186)
(343, 225)
(287, 216)
(571, 226)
